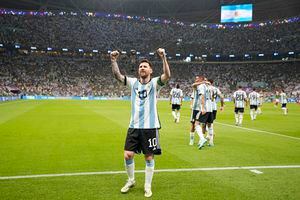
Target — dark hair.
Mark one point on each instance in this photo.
(240, 87)
(177, 86)
(253, 89)
(211, 81)
(146, 61)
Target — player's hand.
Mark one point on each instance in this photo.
(114, 55)
(203, 112)
(161, 52)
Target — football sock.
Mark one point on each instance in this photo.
(129, 166)
(149, 172)
(199, 132)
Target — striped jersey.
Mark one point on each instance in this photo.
(254, 98)
(215, 94)
(239, 96)
(205, 91)
(283, 98)
(144, 113)
(176, 96)
(196, 98)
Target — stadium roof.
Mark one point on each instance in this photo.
(205, 11)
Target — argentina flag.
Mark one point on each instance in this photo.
(236, 13)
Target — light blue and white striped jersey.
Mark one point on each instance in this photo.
(239, 97)
(215, 94)
(176, 95)
(254, 98)
(283, 98)
(144, 113)
(205, 91)
(196, 98)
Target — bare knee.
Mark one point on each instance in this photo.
(128, 155)
(149, 156)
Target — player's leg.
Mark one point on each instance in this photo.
(129, 167)
(202, 140)
(241, 116)
(251, 112)
(149, 171)
(236, 115)
(178, 114)
(174, 113)
(131, 146)
(255, 113)
(192, 133)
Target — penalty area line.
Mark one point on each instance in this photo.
(156, 171)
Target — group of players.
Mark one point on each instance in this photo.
(204, 107)
(143, 131)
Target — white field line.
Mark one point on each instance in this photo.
(256, 171)
(142, 171)
(260, 131)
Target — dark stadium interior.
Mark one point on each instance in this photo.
(204, 11)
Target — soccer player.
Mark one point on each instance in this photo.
(215, 94)
(195, 109)
(283, 101)
(239, 99)
(204, 116)
(142, 134)
(254, 102)
(176, 96)
(276, 99)
(260, 102)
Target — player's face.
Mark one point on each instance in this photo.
(145, 70)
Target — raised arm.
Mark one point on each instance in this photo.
(115, 68)
(167, 74)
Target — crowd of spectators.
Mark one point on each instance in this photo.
(88, 33)
(65, 76)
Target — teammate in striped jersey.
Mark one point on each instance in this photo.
(142, 135)
(254, 102)
(176, 96)
(239, 99)
(204, 116)
(260, 102)
(283, 101)
(195, 106)
(216, 93)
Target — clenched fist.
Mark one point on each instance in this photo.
(114, 55)
(161, 52)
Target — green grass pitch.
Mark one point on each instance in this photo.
(64, 136)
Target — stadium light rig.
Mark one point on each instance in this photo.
(291, 53)
(275, 54)
(80, 50)
(177, 55)
(204, 56)
(17, 46)
(95, 51)
(218, 56)
(247, 55)
(1, 45)
(64, 49)
(33, 48)
(261, 55)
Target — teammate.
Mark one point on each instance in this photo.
(276, 99)
(239, 99)
(215, 94)
(260, 102)
(195, 109)
(176, 96)
(254, 102)
(283, 101)
(204, 116)
(142, 134)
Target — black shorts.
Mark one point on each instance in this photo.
(239, 110)
(253, 107)
(283, 105)
(206, 118)
(175, 107)
(194, 115)
(143, 140)
(214, 114)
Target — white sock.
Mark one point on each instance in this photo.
(236, 118)
(149, 171)
(178, 116)
(192, 135)
(211, 134)
(251, 114)
(174, 114)
(199, 132)
(240, 118)
(255, 114)
(284, 111)
(129, 166)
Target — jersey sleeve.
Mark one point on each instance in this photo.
(200, 90)
(129, 81)
(158, 83)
